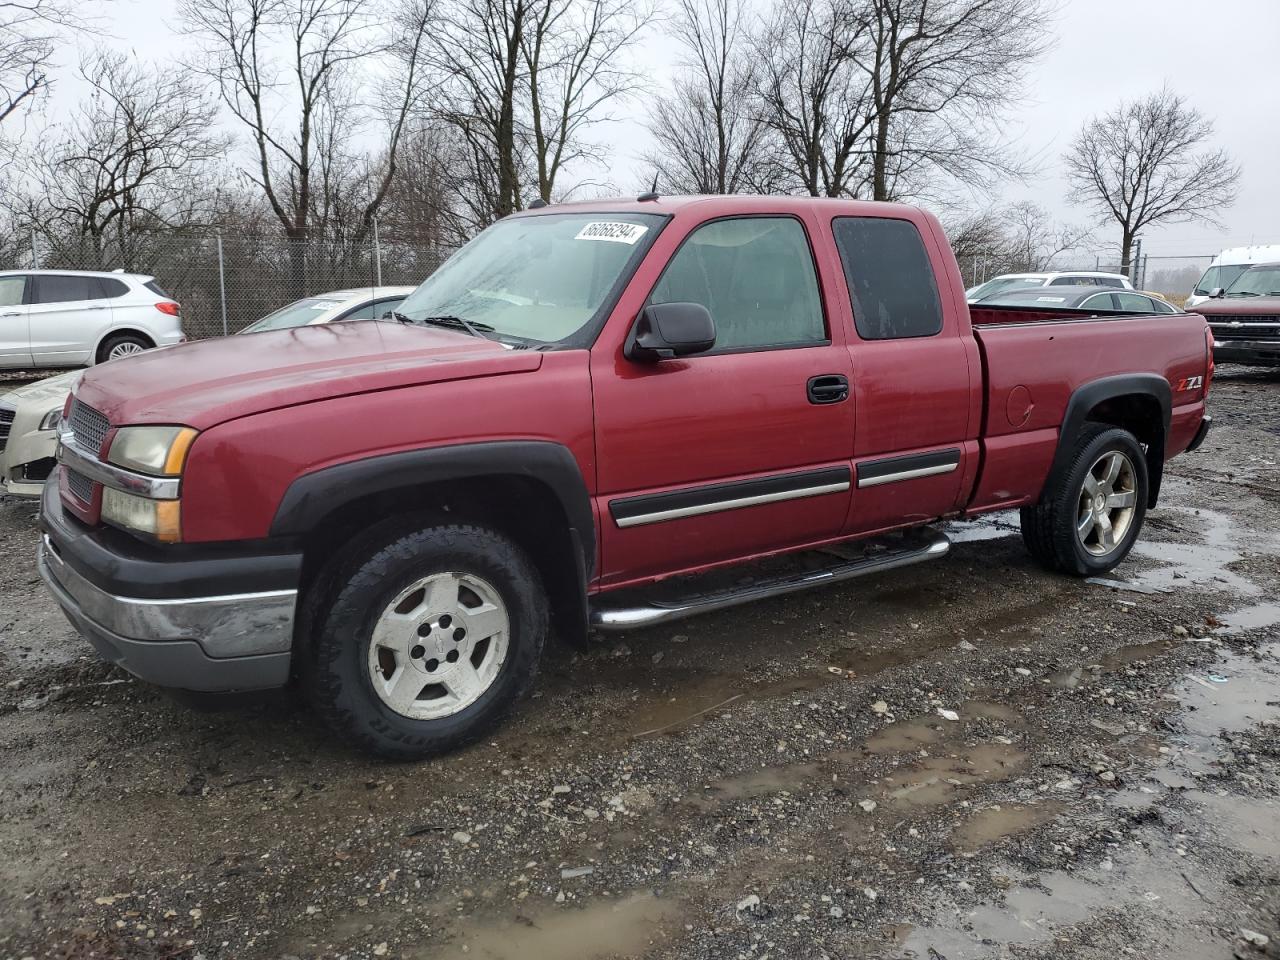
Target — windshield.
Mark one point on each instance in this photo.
(1220, 276)
(296, 314)
(537, 279)
(1001, 284)
(1257, 282)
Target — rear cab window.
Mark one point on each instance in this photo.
(890, 278)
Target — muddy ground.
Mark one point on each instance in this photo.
(783, 780)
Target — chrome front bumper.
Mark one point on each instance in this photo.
(218, 643)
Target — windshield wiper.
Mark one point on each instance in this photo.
(455, 323)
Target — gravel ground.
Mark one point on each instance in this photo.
(966, 759)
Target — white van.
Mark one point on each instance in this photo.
(1228, 265)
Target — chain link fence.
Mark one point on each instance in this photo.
(224, 282)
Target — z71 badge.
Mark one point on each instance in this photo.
(1191, 383)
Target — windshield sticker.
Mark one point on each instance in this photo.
(323, 306)
(612, 231)
(1051, 299)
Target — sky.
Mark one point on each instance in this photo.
(1222, 58)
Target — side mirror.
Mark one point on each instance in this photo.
(667, 330)
(1217, 293)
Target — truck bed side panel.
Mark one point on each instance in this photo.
(1032, 370)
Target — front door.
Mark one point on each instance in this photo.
(69, 312)
(15, 340)
(738, 451)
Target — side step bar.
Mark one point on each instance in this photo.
(608, 613)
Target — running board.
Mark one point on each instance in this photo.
(612, 612)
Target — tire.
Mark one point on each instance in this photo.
(1070, 533)
(388, 668)
(122, 345)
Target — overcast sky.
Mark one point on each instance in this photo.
(1223, 56)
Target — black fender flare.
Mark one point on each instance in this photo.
(313, 496)
(1087, 396)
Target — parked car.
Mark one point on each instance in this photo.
(1019, 281)
(589, 405)
(29, 419)
(33, 411)
(71, 318)
(1082, 298)
(1245, 317)
(358, 303)
(1227, 266)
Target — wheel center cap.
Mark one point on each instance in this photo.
(1099, 503)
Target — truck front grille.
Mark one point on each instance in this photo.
(88, 426)
(1251, 327)
(80, 485)
(6, 424)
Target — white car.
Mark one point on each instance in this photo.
(1024, 281)
(1227, 266)
(29, 433)
(358, 303)
(75, 318)
(29, 415)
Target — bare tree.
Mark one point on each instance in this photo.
(709, 135)
(574, 54)
(135, 158)
(295, 73)
(939, 73)
(1033, 241)
(1143, 164)
(29, 34)
(812, 95)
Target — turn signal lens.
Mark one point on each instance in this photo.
(160, 519)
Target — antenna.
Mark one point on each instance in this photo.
(654, 188)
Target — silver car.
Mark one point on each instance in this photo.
(75, 318)
(29, 415)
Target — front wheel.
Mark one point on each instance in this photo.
(431, 638)
(1089, 516)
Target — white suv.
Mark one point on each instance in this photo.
(1023, 281)
(73, 318)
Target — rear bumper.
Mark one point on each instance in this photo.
(1260, 352)
(194, 638)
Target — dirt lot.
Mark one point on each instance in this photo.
(785, 780)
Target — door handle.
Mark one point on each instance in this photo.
(18, 314)
(98, 307)
(828, 388)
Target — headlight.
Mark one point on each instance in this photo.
(160, 451)
(156, 518)
(51, 420)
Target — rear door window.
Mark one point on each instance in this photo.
(1134, 303)
(890, 278)
(1102, 302)
(64, 288)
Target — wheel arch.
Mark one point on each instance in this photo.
(532, 491)
(1141, 403)
(121, 331)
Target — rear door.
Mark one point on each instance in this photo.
(741, 450)
(15, 338)
(911, 376)
(69, 312)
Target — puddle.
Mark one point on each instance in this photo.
(935, 780)
(992, 824)
(623, 928)
(758, 783)
(1202, 564)
(1147, 877)
(991, 526)
(1256, 617)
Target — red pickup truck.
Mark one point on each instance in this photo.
(569, 425)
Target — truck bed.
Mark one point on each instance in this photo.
(1034, 360)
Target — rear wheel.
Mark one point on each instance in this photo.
(430, 639)
(122, 345)
(1090, 515)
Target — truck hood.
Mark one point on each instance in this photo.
(1238, 307)
(207, 382)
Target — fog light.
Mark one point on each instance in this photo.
(157, 518)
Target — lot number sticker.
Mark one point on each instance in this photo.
(612, 232)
